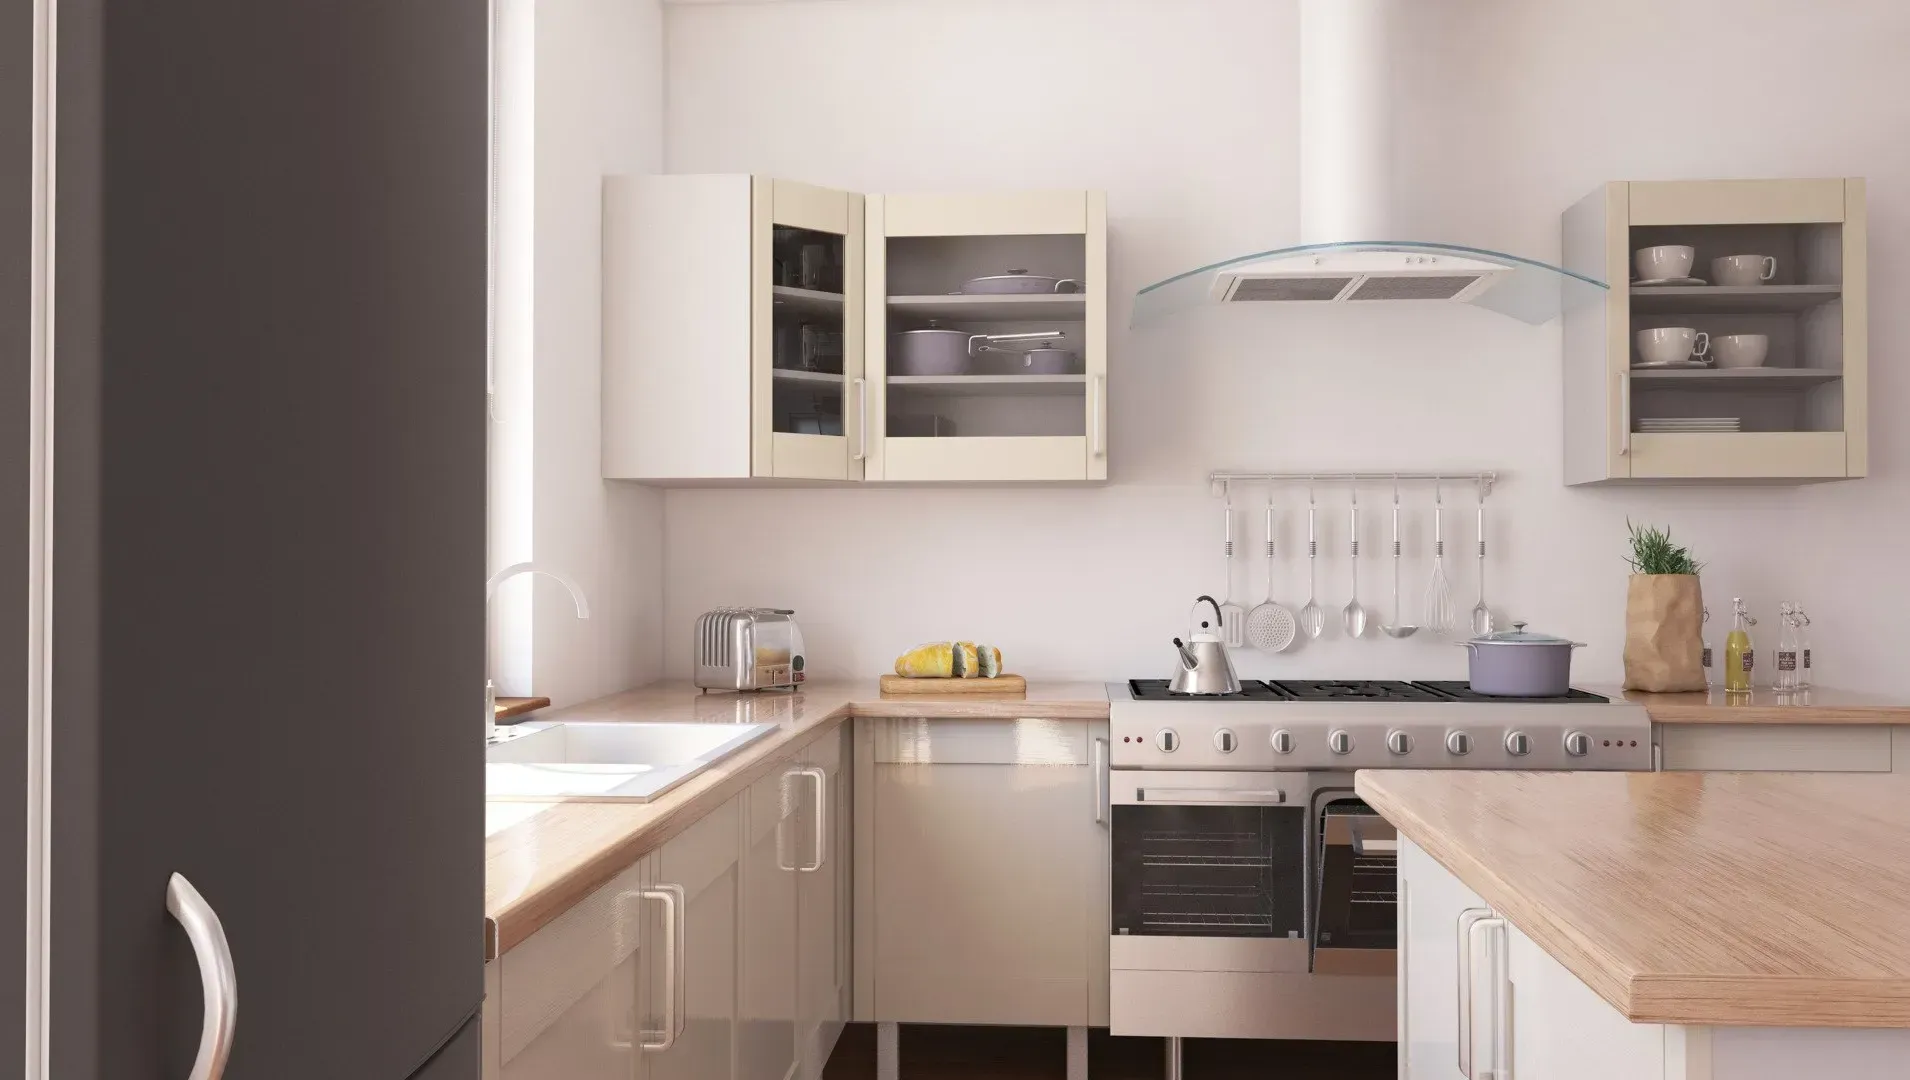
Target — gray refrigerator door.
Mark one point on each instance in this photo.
(270, 529)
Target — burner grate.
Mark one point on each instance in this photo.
(1250, 690)
(1357, 690)
(1461, 690)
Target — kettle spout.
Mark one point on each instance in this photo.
(1187, 660)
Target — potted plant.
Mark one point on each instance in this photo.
(1664, 615)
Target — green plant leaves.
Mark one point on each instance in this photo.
(1652, 552)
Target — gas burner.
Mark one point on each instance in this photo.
(1250, 690)
(1461, 690)
(1356, 690)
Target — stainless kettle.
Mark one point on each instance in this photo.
(1204, 667)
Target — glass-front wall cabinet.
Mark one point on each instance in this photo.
(1732, 344)
(986, 337)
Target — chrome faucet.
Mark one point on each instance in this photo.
(490, 591)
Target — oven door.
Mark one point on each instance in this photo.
(1211, 932)
(1356, 903)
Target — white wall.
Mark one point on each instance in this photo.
(1185, 113)
(599, 109)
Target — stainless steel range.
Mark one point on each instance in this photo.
(1253, 891)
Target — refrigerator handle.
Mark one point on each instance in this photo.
(216, 976)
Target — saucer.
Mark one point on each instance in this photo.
(1672, 281)
(1670, 365)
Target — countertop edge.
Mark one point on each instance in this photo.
(1767, 715)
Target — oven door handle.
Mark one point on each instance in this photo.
(1222, 796)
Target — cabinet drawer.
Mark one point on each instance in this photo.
(981, 742)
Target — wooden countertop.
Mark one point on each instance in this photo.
(546, 856)
(506, 708)
(1777, 899)
(1818, 705)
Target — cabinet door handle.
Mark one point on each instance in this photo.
(1097, 403)
(821, 777)
(1098, 761)
(1468, 918)
(1223, 796)
(671, 897)
(1624, 413)
(217, 978)
(784, 810)
(862, 427)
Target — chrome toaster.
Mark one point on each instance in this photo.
(747, 649)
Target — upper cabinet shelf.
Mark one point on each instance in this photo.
(1071, 307)
(1730, 299)
(1789, 352)
(807, 301)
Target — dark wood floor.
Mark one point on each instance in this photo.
(975, 1053)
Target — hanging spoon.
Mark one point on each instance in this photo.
(1353, 616)
(1312, 619)
(1481, 614)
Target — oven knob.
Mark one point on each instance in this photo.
(1340, 742)
(1167, 740)
(1225, 741)
(1458, 743)
(1577, 743)
(1518, 743)
(1400, 743)
(1283, 741)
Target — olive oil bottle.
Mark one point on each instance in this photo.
(1739, 658)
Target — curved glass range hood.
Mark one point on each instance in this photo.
(1373, 271)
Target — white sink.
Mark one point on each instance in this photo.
(611, 761)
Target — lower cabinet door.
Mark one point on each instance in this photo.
(689, 1005)
(988, 842)
(591, 1040)
(822, 895)
(1432, 906)
(766, 928)
(1561, 1030)
(563, 1002)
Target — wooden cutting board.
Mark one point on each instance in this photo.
(1000, 684)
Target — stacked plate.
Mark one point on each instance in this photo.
(1683, 424)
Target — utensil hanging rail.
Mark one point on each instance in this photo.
(1483, 480)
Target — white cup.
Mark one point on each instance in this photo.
(1743, 269)
(1670, 344)
(1663, 261)
(1741, 350)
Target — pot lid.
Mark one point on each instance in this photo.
(1010, 276)
(934, 327)
(1519, 635)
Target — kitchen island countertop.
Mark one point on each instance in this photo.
(543, 857)
(1770, 899)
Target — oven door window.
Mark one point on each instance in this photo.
(1358, 897)
(1210, 871)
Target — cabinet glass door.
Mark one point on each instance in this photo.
(988, 315)
(808, 334)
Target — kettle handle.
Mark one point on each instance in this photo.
(1216, 606)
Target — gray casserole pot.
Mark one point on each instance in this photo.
(1515, 663)
(939, 350)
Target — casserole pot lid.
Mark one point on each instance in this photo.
(1518, 635)
(933, 327)
(1011, 276)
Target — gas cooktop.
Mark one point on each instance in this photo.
(1328, 690)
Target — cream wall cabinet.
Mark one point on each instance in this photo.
(1802, 414)
(994, 422)
(732, 329)
(982, 892)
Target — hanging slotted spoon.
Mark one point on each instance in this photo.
(1439, 614)
(1270, 626)
(1312, 619)
(1398, 628)
(1353, 616)
(1233, 617)
(1481, 614)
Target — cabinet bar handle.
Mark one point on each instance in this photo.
(217, 978)
(1467, 920)
(671, 897)
(1098, 761)
(821, 777)
(862, 428)
(1098, 444)
(1624, 414)
(1212, 795)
